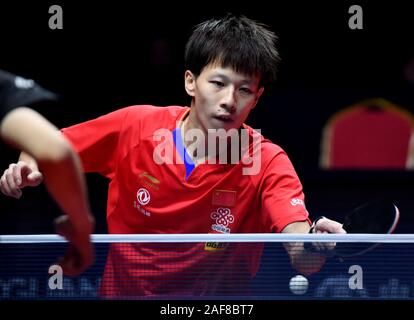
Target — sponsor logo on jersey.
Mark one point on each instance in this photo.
(149, 181)
(215, 246)
(222, 218)
(294, 202)
(143, 198)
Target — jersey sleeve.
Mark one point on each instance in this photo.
(282, 195)
(97, 141)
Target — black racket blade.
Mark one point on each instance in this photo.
(378, 217)
(373, 217)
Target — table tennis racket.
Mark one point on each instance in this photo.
(376, 217)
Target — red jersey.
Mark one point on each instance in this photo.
(148, 197)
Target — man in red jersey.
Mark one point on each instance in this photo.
(198, 170)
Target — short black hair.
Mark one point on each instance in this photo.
(235, 41)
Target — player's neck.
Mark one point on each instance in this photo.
(192, 144)
(197, 142)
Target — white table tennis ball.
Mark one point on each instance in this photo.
(298, 284)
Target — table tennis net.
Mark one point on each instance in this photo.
(206, 266)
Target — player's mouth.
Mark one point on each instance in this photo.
(223, 118)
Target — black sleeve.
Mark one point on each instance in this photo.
(16, 91)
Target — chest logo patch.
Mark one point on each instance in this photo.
(143, 196)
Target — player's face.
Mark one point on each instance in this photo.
(222, 98)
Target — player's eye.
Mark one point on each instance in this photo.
(246, 90)
(218, 84)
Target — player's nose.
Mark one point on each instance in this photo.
(228, 100)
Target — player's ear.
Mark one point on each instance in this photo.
(189, 82)
(258, 94)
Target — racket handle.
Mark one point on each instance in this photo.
(308, 246)
(312, 228)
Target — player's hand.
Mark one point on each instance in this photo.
(326, 225)
(18, 176)
(79, 254)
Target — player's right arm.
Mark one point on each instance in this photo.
(302, 260)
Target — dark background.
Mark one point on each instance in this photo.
(111, 55)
